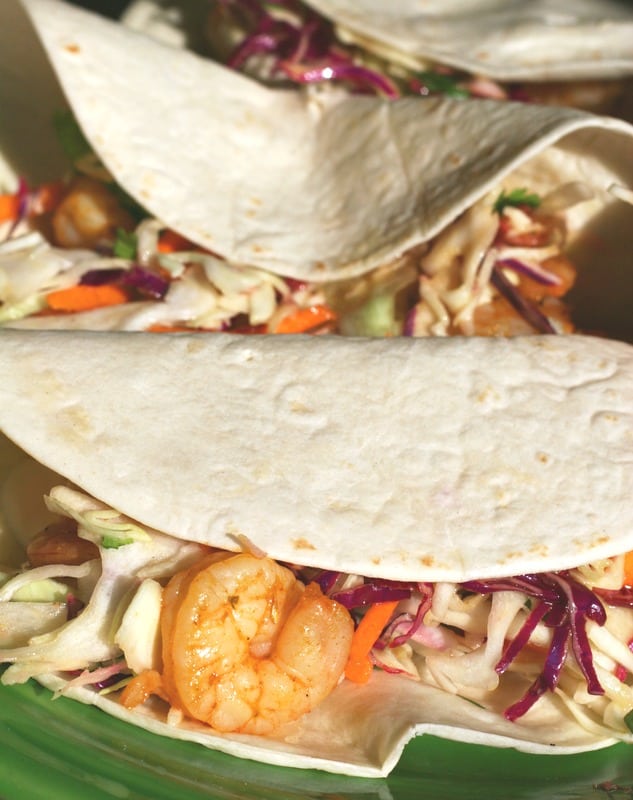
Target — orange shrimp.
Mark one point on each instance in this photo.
(248, 648)
(88, 215)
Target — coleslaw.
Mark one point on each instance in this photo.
(502, 643)
(288, 42)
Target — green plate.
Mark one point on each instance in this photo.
(61, 749)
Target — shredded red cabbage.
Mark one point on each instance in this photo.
(529, 311)
(616, 597)
(99, 277)
(398, 639)
(305, 52)
(327, 579)
(311, 38)
(146, 282)
(373, 591)
(533, 271)
(361, 77)
(564, 605)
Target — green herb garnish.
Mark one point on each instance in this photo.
(125, 244)
(114, 542)
(517, 197)
(437, 83)
(628, 720)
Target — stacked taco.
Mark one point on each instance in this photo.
(470, 494)
(560, 53)
(446, 188)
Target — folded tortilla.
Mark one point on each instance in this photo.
(443, 460)
(542, 40)
(411, 166)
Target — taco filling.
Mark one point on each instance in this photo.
(245, 644)
(410, 51)
(426, 216)
(79, 253)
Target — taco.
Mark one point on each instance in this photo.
(308, 550)
(560, 53)
(475, 218)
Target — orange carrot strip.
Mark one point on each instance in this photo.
(85, 297)
(628, 568)
(140, 688)
(159, 327)
(304, 319)
(359, 666)
(171, 242)
(9, 207)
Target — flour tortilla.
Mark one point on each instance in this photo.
(316, 186)
(409, 459)
(510, 41)
(307, 445)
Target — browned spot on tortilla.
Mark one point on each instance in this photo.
(256, 201)
(299, 408)
(376, 560)
(601, 540)
(513, 556)
(194, 346)
(302, 544)
(539, 549)
(427, 561)
(72, 48)
(454, 159)
(257, 248)
(320, 266)
(76, 425)
(543, 458)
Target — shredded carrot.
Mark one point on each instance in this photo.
(141, 687)
(159, 327)
(172, 242)
(9, 207)
(628, 568)
(84, 297)
(359, 666)
(305, 319)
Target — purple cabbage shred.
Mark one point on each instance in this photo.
(565, 606)
(529, 311)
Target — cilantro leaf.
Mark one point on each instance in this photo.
(125, 244)
(439, 83)
(516, 197)
(114, 542)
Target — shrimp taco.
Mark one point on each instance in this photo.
(562, 53)
(476, 216)
(308, 550)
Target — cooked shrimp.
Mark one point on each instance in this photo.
(88, 215)
(246, 647)
(499, 318)
(59, 543)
